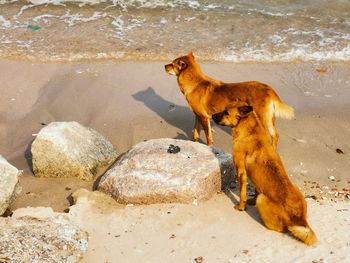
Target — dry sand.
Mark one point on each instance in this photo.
(129, 102)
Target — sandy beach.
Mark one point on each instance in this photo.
(129, 102)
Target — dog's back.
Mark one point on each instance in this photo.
(280, 203)
(207, 96)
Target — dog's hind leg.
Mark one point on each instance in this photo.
(270, 213)
(207, 128)
(197, 129)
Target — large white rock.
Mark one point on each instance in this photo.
(68, 149)
(9, 184)
(148, 173)
(40, 235)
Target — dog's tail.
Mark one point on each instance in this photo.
(282, 110)
(304, 233)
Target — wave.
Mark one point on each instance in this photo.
(223, 30)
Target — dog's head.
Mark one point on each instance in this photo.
(233, 114)
(179, 64)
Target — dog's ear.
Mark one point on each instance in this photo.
(190, 55)
(244, 111)
(182, 65)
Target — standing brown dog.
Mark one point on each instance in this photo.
(207, 96)
(280, 203)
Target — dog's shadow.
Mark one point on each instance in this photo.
(176, 115)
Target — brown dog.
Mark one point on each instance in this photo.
(207, 96)
(280, 203)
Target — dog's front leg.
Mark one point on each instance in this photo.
(196, 129)
(205, 121)
(242, 179)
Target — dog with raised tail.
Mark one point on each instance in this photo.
(207, 96)
(280, 203)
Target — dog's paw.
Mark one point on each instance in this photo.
(240, 207)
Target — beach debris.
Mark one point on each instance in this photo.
(9, 184)
(148, 174)
(33, 27)
(173, 149)
(199, 260)
(245, 251)
(322, 69)
(340, 151)
(171, 107)
(172, 236)
(300, 140)
(332, 178)
(68, 149)
(311, 196)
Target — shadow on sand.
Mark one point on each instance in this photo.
(28, 156)
(176, 115)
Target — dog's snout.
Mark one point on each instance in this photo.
(169, 68)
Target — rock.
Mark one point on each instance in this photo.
(150, 173)
(9, 185)
(40, 235)
(68, 149)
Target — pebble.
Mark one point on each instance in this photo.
(331, 177)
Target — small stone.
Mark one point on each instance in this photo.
(199, 260)
(339, 151)
(173, 149)
(322, 69)
(332, 178)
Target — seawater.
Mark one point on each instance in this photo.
(219, 30)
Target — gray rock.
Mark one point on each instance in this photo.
(167, 170)
(68, 149)
(41, 236)
(9, 184)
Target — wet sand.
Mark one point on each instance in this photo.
(129, 102)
